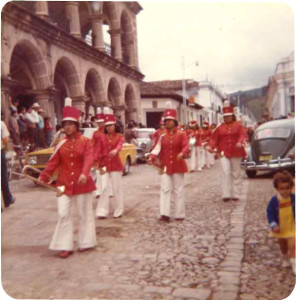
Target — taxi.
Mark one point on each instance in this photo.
(38, 159)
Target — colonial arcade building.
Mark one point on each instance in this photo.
(83, 50)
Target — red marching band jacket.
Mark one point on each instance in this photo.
(225, 138)
(156, 134)
(206, 135)
(196, 133)
(173, 143)
(97, 140)
(109, 143)
(73, 158)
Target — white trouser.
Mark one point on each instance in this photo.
(193, 158)
(207, 158)
(63, 235)
(114, 180)
(202, 157)
(169, 185)
(196, 158)
(231, 182)
(101, 183)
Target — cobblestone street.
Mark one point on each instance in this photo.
(220, 252)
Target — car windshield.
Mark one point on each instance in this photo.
(144, 134)
(276, 133)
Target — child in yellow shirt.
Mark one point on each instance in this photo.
(281, 216)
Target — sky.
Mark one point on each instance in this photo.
(236, 44)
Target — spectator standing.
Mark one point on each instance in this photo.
(48, 130)
(129, 134)
(31, 125)
(23, 125)
(7, 196)
(281, 216)
(119, 124)
(43, 142)
(14, 104)
(35, 116)
(14, 128)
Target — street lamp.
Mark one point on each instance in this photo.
(184, 87)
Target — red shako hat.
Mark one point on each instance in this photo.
(170, 113)
(99, 115)
(193, 123)
(70, 113)
(227, 109)
(109, 117)
(205, 123)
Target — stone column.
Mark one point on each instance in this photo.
(80, 102)
(130, 54)
(5, 95)
(116, 44)
(119, 110)
(42, 97)
(97, 32)
(41, 9)
(72, 13)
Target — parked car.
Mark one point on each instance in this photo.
(38, 159)
(272, 148)
(144, 142)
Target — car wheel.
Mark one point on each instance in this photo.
(127, 166)
(251, 173)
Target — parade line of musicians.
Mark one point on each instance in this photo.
(75, 155)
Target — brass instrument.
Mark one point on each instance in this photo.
(59, 190)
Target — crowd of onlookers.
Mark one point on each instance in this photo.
(30, 126)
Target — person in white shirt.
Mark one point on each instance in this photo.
(35, 115)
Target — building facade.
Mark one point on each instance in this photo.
(57, 49)
(280, 99)
(154, 98)
(211, 98)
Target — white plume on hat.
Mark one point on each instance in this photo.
(226, 103)
(68, 101)
(168, 104)
(98, 110)
(106, 110)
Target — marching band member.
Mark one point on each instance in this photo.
(195, 140)
(97, 137)
(112, 143)
(206, 137)
(73, 158)
(229, 138)
(173, 148)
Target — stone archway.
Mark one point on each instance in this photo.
(66, 84)
(114, 97)
(131, 103)
(28, 74)
(94, 90)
